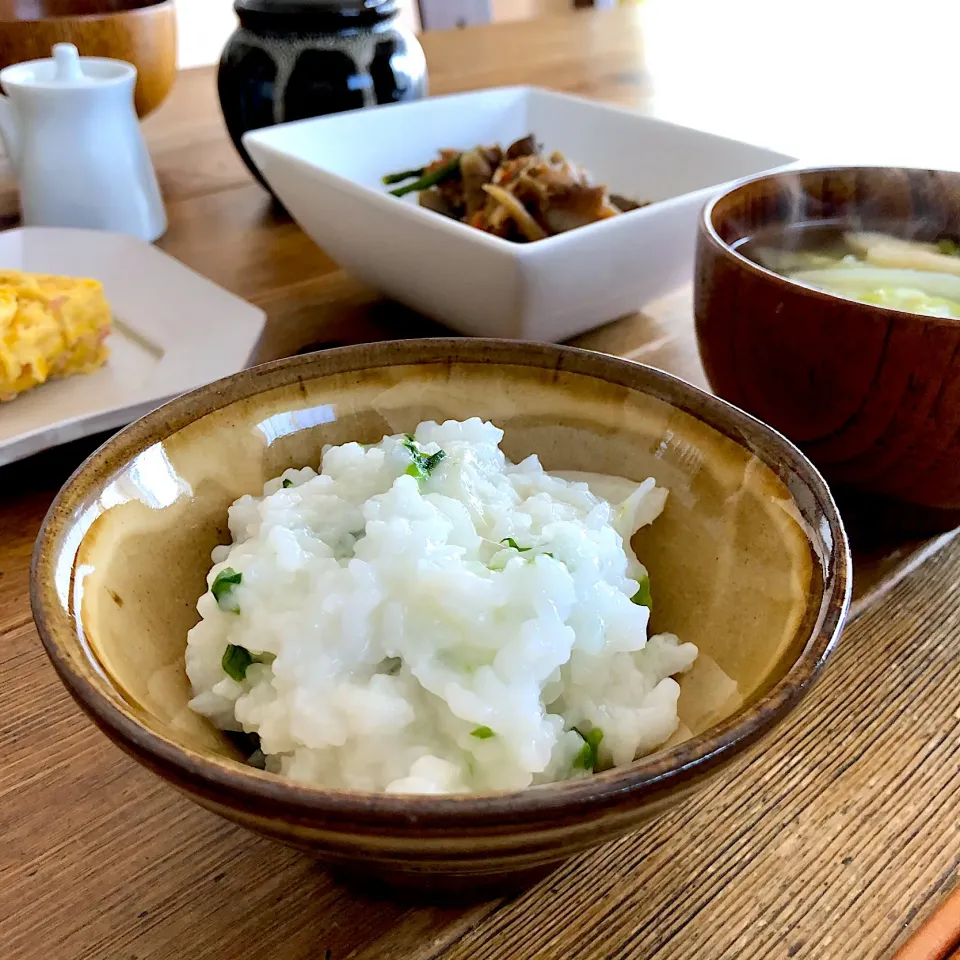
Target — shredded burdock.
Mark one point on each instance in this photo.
(518, 194)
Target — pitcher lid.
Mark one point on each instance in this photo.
(66, 69)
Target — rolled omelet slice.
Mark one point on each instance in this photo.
(50, 327)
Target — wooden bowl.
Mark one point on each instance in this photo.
(141, 32)
(870, 394)
(749, 561)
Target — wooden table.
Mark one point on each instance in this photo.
(835, 840)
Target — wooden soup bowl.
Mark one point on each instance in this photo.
(749, 561)
(870, 394)
(141, 32)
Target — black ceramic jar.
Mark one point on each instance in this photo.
(293, 59)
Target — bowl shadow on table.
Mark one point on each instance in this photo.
(51, 468)
(338, 312)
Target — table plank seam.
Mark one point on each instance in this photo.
(14, 625)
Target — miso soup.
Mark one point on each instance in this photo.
(918, 276)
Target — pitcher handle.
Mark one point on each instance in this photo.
(10, 130)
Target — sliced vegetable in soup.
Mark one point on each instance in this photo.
(878, 268)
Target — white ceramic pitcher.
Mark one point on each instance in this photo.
(70, 129)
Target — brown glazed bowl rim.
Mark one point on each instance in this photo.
(494, 812)
(709, 230)
(145, 6)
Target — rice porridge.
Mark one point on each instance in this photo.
(424, 616)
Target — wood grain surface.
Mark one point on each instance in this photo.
(834, 840)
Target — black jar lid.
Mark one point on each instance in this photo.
(315, 16)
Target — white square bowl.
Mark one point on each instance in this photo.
(327, 172)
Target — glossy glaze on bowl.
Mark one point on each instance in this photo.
(870, 394)
(749, 561)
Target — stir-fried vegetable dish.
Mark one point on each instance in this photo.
(518, 194)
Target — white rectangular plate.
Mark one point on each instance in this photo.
(172, 331)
